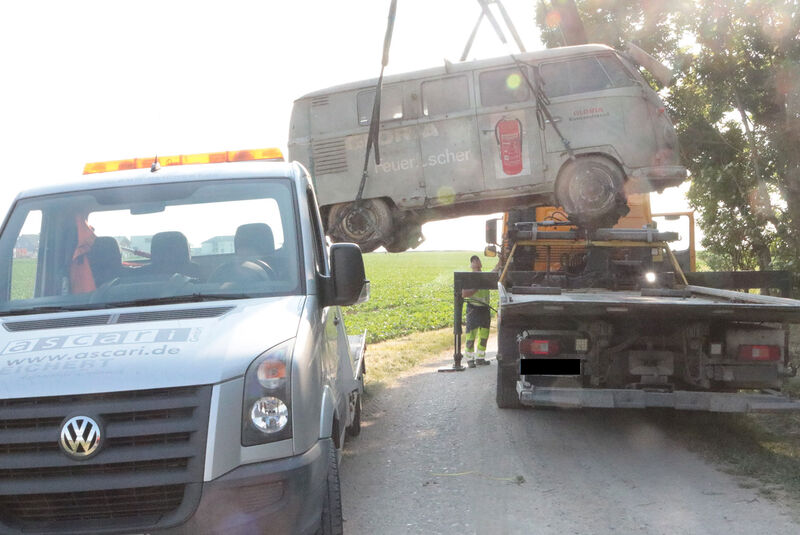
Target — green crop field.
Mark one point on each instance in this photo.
(411, 292)
(23, 278)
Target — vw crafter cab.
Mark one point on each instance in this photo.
(172, 353)
(485, 136)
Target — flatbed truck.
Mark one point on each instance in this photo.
(608, 318)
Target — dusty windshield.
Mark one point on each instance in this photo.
(150, 244)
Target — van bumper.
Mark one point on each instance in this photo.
(647, 179)
(282, 496)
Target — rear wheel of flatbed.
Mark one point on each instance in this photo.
(507, 397)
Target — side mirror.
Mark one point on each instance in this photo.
(347, 274)
(490, 251)
(491, 231)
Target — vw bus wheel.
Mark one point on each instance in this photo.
(591, 191)
(367, 223)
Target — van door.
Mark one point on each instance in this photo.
(598, 104)
(399, 175)
(448, 139)
(511, 148)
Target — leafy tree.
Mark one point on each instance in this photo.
(735, 101)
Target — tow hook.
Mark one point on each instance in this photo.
(790, 371)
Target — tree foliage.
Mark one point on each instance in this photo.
(735, 101)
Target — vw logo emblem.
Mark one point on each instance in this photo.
(80, 437)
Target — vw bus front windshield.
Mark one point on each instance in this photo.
(140, 245)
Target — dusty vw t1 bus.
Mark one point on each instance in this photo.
(483, 136)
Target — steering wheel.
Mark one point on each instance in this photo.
(243, 271)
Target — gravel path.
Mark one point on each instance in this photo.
(437, 456)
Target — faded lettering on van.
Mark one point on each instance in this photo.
(389, 137)
(443, 158)
(143, 336)
(588, 113)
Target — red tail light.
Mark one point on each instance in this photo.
(764, 353)
(529, 346)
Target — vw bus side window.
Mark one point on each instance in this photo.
(619, 75)
(583, 76)
(503, 86)
(391, 104)
(443, 96)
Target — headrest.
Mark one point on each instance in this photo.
(169, 248)
(254, 239)
(105, 250)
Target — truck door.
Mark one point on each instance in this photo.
(511, 149)
(449, 139)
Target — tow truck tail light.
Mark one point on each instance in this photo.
(529, 346)
(762, 353)
(271, 154)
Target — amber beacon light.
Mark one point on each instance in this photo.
(271, 154)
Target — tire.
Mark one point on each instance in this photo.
(591, 191)
(332, 522)
(369, 224)
(507, 397)
(355, 428)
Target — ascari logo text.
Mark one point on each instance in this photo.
(145, 336)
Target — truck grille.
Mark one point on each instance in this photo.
(146, 474)
(110, 504)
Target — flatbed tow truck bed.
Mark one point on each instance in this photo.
(696, 302)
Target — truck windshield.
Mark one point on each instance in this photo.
(150, 244)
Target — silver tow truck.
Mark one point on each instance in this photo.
(173, 358)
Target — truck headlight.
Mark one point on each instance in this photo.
(266, 411)
(269, 414)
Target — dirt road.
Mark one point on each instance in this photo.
(437, 456)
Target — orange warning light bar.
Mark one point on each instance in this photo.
(271, 154)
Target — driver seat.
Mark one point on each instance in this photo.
(254, 240)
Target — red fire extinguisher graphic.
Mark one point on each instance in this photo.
(509, 136)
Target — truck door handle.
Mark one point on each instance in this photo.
(555, 120)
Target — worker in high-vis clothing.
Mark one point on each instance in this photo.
(478, 320)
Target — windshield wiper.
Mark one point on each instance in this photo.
(173, 299)
(45, 310)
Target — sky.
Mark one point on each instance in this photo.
(89, 81)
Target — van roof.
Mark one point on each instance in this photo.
(174, 173)
(451, 68)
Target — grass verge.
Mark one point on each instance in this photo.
(387, 360)
(762, 448)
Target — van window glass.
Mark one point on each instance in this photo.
(445, 96)
(583, 75)
(25, 259)
(503, 86)
(391, 104)
(616, 71)
(203, 239)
